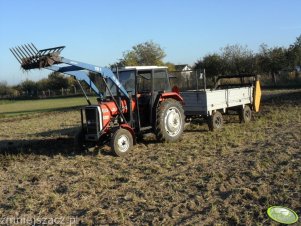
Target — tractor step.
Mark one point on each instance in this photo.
(142, 129)
(30, 57)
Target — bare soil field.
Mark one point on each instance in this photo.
(229, 177)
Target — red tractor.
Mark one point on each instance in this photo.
(132, 101)
(152, 107)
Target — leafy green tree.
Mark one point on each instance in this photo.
(29, 87)
(43, 84)
(213, 63)
(4, 89)
(170, 66)
(233, 59)
(237, 59)
(147, 53)
(98, 81)
(278, 59)
(272, 60)
(294, 53)
(57, 81)
(263, 59)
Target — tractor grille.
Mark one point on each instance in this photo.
(93, 123)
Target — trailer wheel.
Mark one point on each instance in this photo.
(121, 142)
(245, 114)
(215, 121)
(170, 121)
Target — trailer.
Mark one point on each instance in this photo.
(212, 103)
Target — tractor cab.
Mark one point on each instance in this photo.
(143, 83)
(142, 79)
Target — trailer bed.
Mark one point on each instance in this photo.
(204, 102)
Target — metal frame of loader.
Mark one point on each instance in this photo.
(31, 58)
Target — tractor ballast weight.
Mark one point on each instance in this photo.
(124, 114)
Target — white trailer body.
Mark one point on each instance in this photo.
(205, 102)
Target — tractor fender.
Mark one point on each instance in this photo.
(174, 95)
(130, 129)
(163, 96)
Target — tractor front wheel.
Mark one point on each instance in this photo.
(121, 142)
(170, 121)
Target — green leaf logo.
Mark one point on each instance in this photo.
(282, 215)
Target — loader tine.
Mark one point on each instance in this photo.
(25, 50)
(34, 55)
(30, 50)
(15, 55)
(35, 48)
(21, 52)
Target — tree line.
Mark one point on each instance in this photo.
(269, 61)
(276, 64)
(54, 84)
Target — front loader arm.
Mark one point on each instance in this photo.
(104, 72)
(78, 75)
(31, 58)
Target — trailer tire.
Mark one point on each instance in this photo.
(121, 142)
(215, 121)
(245, 114)
(169, 121)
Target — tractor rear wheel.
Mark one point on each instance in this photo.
(121, 142)
(245, 114)
(215, 121)
(170, 121)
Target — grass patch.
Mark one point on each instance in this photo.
(27, 107)
(6, 101)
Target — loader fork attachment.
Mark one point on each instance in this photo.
(30, 57)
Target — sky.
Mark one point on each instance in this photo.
(99, 31)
